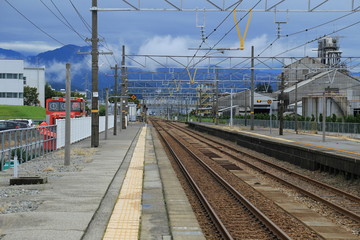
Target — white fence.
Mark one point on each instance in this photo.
(80, 129)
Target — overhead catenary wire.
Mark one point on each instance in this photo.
(306, 30)
(87, 25)
(307, 42)
(89, 28)
(64, 20)
(39, 28)
(225, 35)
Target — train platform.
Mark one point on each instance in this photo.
(334, 143)
(333, 153)
(126, 190)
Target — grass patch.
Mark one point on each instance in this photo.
(29, 112)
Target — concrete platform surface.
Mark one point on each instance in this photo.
(80, 201)
(335, 143)
(69, 200)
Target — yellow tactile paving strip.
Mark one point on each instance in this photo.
(124, 222)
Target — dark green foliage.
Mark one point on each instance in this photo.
(31, 96)
(102, 110)
(49, 92)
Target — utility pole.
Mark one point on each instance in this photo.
(116, 96)
(106, 112)
(200, 103)
(324, 117)
(246, 90)
(252, 89)
(67, 120)
(282, 103)
(296, 109)
(124, 103)
(216, 97)
(186, 110)
(94, 77)
(231, 108)
(296, 106)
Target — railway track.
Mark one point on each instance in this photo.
(341, 201)
(234, 214)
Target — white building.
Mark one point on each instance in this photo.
(35, 77)
(14, 76)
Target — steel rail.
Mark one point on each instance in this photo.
(240, 198)
(214, 217)
(340, 209)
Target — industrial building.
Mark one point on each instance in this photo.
(310, 82)
(14, 76)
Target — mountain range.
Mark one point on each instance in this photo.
(54, 62)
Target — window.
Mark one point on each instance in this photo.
(3, 75)
(12, 75)
(11, 95)
(2, 94)
(21, 95)
(21, 76)
(24, 78)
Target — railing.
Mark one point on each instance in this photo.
(334, 127)
(26, 144)
(29, 143)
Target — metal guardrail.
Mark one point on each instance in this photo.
(26, 143)
(333, 127)
(29, 143)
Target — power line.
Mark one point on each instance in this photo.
(67, 24)
(306, 30)
(106, 46)
(47, 34)
(222, 38)
(88, 27)
(318, 38)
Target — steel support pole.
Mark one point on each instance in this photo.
(116, 101)
(107, 113)
(252, 89)
(67, 118)
(231, 108)
(296, 109)
(124, 102)
(282, 105)
(324, 118)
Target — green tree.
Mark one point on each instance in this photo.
(49, 92)
(77, 94)
(31, 96)
(102, 110)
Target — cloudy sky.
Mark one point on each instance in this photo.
(34, 26)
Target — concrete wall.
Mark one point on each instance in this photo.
(304, 157)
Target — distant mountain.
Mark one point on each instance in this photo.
(54, 62)
(5, 53)
(68, 53)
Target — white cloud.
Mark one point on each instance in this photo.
(165, 46)
(28, 47)
(58, 69)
